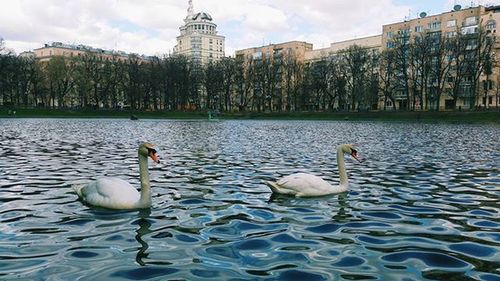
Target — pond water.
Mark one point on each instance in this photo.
(424, 205)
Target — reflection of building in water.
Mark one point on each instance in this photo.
(199, 40)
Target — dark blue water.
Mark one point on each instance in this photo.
(424, 205)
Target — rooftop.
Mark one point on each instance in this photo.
(85, 48)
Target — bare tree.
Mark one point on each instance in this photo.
(213, 85)
(439, 70)
(401, 48)
(479, 59)
(420, 66)
(293, 77)
(459, 76)
(356, 60)
(388, 83)
(60, 80)
(243, 78)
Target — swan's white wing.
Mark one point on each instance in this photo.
(112, 193)
(302, 184)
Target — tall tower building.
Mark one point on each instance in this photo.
(199, 40)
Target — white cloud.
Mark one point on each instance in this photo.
(320, 22)
(146, 27)
(150, 26)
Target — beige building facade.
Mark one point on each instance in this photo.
(304, 51)
(50, 50)
(466, 21)
(199, 39)
(370, 42)
(295, 48)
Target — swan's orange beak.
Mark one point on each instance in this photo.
(154, 157)
(354, 155)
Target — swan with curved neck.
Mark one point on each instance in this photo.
(115, 193)
(307, 185)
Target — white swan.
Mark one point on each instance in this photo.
(115, 193)
(307, 185)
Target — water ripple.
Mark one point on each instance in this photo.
(423, 206)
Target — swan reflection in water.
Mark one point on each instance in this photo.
(144, 229)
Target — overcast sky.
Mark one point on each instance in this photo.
(151, 26)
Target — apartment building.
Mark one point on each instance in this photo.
(373, 43)
(53, 49)
(491, 84)
(199, 39)
(468, 21)
(296, 48)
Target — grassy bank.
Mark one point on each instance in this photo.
(448, 116)
(60, 113)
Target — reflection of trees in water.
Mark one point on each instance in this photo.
(144, 228)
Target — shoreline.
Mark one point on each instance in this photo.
(425, 116)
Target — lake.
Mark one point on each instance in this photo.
(423, 205)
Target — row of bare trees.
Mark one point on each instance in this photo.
(414, 72)
(421, 70)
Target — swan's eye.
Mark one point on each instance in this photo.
(151, 151)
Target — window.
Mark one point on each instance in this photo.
(491, 24)
(404, 31)
(257, 55)
(470, 21)
(419, 28)
(389, 34)
(451, 23)
(469, 30)
(451, 34)
(435, 25)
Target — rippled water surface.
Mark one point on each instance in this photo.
(424, 205)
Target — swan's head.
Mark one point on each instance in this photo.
(146, 149)
(351, 150)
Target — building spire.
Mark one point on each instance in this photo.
(190, 8)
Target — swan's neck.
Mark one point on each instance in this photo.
(341, 167)
(145, 200)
